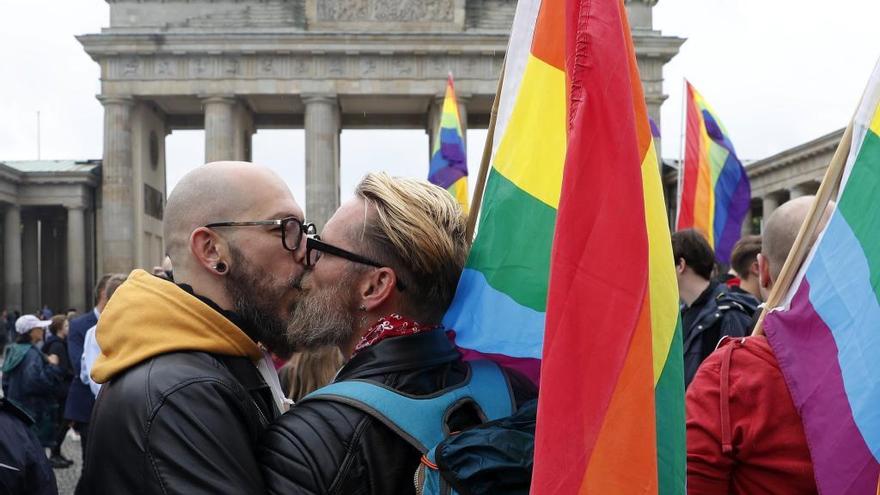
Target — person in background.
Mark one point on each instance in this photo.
(56, 345)
(45, 313)
(71, 313)
(711, 310)
(309, 370)
(80, 400)
(31, 379)
(744, 262)
(24, 469)
(91, 349)
(744, 434)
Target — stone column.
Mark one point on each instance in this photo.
(30, 264)
(322, 125)
(12, 257)
(76, 258)
(219, 128)
(117, 189)
(798, 191)
(770, 203)
(747, 222)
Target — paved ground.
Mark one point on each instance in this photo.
(68, 477)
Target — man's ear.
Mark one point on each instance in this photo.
(680, 266)
(764, 272)
(754, 269)
(209, 250)
(377, 287)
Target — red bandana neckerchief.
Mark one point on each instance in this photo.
(389, 326)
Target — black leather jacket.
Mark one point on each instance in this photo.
(183, 422)
(331, 448)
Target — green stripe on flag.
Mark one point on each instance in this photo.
(862, 191)
(512, 248)
(669, 405)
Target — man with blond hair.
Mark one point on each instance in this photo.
(378, 281)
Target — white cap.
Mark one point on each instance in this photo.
(27, 323)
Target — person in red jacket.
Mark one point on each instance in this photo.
(744, 435)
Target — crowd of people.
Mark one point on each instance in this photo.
(199, 377)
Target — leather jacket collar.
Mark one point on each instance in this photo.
(397, 354)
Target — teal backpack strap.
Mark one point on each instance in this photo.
(421, 420)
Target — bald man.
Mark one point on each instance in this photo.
(187, 387)
(744, 435)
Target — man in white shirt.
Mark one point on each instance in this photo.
(91, 349)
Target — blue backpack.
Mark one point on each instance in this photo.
(421, 421)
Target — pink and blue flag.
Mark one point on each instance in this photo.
(826, 332)
(448, 156)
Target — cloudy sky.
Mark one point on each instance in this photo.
(778, 73)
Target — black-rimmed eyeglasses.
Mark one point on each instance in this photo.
(315, 248)
(292, 229)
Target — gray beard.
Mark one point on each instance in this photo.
(324, 317)
(254, 299)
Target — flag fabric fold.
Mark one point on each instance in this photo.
(613, 422)
(826, 332)
(611, 413)
(715, 191)
(448, 168)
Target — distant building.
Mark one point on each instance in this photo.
(49, 226)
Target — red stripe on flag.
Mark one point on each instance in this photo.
(691, 167)
(599, 264)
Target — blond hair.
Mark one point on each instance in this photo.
(420, 229)
(308, 371)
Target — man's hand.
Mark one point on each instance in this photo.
(53, 359)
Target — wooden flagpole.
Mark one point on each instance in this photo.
(802, 243)
(477, 199)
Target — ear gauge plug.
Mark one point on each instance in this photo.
(220, 267)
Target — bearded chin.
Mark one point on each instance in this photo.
(323, 317)
(255, 301)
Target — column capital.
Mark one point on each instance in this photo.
(115, 100)
(74, 206)
(227, 99)
(328, 98)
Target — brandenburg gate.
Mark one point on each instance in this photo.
(232, 67)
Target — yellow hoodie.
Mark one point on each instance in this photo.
(148, 316)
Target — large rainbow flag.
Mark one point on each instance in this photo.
(611, 413)
(826, 334)
(714, 190)
(448, 156)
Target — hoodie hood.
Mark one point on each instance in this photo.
(14, 356)
(149, 316)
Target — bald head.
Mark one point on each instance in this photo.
(781, 230)
(217, 192)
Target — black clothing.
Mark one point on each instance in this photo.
(324, 447)
(182, 403)
(716, 313)
(217, 404)
(24, 468)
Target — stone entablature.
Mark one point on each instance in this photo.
(800, 167)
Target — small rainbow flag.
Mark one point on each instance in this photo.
(826, 332)
(611, 411)
(715, 192)
(448, 156)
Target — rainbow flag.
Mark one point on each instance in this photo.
(714, 192)
(826, 333)
(501, 301)
(611, 408)
(448, 156)
(611, 413)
